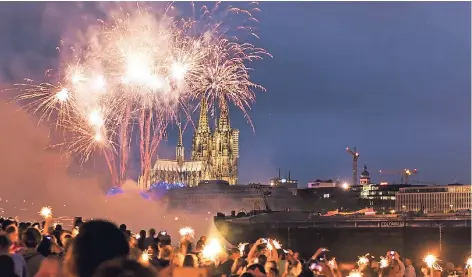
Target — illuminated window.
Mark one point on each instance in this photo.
(326, 195)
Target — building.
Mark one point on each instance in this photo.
(454, 197)
(215, 154)
(283, 181)
(365, 176)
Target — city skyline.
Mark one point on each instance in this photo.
(392, 79)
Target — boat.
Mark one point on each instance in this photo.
(350, 235)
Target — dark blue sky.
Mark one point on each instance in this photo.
(392, 79)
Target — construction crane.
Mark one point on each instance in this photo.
(355, 158)
(404, 173)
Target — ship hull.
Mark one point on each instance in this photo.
(349, 240)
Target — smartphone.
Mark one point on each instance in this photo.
(48, 237)
(264, 240)
(163, 233)
(392, 253)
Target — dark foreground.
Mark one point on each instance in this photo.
(355, 236)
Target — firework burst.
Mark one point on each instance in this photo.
(140, 71)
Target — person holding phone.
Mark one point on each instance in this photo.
(397, 266)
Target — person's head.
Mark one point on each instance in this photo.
(199, 246)
(58, 227)
(152, 232)
(408, 262)
(262, 260)
(374, 264)
(12, 233)
(6, 223)
(235, 253)
(296, 256)
(165, 252)
(203, 239)
(31, 238)
(123, 227)
(257, 270)
(142, 234)
(5, 244)
(269, 265)
(120, 267)
(8, 266)
(44, 247)
(97, 242)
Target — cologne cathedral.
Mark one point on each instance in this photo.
(215, 154)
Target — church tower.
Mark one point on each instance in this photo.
(365, 176)
(201, 143)
(179, 149)
(226, 148)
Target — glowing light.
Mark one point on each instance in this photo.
(430, 260)
(212, 249)
(144, 259)
(241, 248)
(276, 244)
(77, 78)
(98, 137)
(345, 186)
(178, 71)
(187, 231)
(363, 260)
(95, 118)
(99, 83)
(355, 273)
(46, 212)
(62, 95)
(383, 262)
(468, 263)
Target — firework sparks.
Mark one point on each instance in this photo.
(383, 262)
(46, 212)
(241, 248)
(143, 71)
(363, 260)
(187, 231)
(212, 249)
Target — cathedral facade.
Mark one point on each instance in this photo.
(215, 154)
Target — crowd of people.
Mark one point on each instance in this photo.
(99, 248)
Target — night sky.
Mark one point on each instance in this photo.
(392, 79)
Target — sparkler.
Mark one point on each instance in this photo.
(46, 212)
(212, 249)
(187, 231)
(144, 259)
(431, 262)
(363, 260)
(142, 71)
(355, 273)
(241, 248)
(383, 262)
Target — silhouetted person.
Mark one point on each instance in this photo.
(97, 242)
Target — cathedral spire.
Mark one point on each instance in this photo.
(179, 149)
(180, 140)
(203, 125)
(223, 124)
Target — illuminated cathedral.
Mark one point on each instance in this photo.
(215, 154)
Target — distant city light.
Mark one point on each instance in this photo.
(345, 186)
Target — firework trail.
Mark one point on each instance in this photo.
(140, 71)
